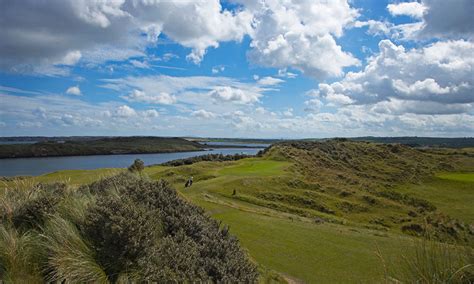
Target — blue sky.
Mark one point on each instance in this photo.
(273, 69)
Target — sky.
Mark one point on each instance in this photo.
(237, 68)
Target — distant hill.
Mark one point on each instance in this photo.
(463, 142)
(101, 146)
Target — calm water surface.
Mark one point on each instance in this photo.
(39, 166)
(235, 144)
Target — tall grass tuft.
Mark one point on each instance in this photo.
(20, 256)
(75, 206)
(431, 262)
(71, 259)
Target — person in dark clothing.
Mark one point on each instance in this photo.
(189, 182)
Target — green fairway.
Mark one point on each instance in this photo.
(307, 251)
(452, 193)
(255, 167)
(466, 177)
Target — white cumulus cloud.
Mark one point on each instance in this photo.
(439, 75)
(155, 98)
(234, 95)
(125, 111)
(74, 90)
(412, 9)
(203, 114)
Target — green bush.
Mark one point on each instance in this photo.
(137, 166)
(209, 251)
(122, 228)
(120, 231)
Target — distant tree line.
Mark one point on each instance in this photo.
(207, 158)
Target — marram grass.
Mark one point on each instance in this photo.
(71, 259)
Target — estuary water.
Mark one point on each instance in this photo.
(39, 166)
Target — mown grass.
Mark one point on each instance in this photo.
(465, 177)
(309, 252)
(452, 193)
(255, 167)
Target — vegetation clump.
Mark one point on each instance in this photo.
(206, 158)
(137, 167)
(129, 229)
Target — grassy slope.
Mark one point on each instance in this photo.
(292, 244)
(452, 193)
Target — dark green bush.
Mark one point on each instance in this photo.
(120, 231)
(137, 166)
(192, 245)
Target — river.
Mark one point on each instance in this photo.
(39, 166)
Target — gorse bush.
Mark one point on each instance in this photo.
(120, 231)
(124, 228)
(212, 253)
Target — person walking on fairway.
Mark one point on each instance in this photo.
(189, 182)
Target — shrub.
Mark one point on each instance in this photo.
(120, 231)
(137, 166)
(209, 251)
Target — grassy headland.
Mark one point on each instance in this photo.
(102, 146)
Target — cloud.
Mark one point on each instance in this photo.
(98, 31)
(269, 81)
(438, 75)
(140, 64)
(151, 113)
(438, 19)
(231, 94)
(301, 35)
(55, 114)
(203, 114)
(155, 98)
(35, 42)
(74, 90)
(412, 9)
(217, 69)
(284, 73)
(377, 28)
(206, 92)
(313, 105)
(448, 21)
(288, 112)
(125, 111)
